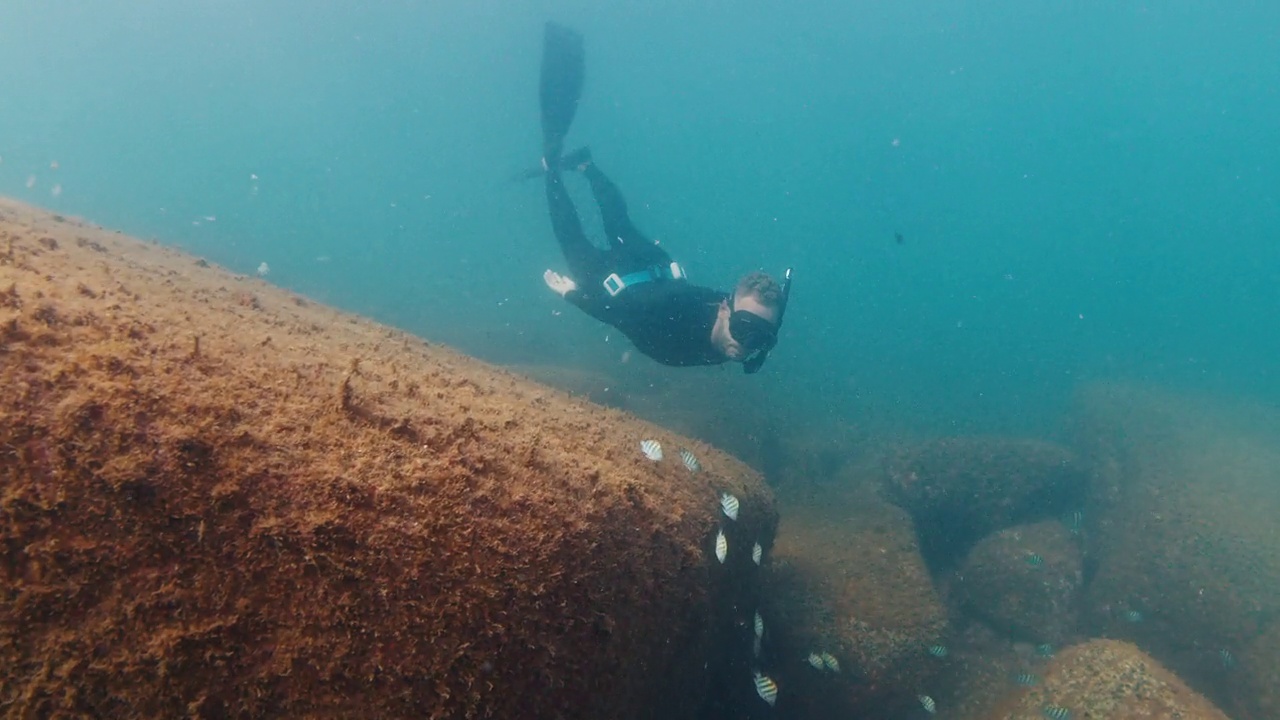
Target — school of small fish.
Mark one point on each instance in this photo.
(729, 504)
(1075, 522)
(1228, 659)
(690, 461)
(823, 661)
(652, 449)
(830, 662)
(766, 688)
(1025, 679)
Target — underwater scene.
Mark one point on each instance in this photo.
(640, 360)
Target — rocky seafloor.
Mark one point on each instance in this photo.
(221, 499)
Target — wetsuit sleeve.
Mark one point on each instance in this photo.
(590, 304)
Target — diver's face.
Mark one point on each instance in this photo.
(735, 348)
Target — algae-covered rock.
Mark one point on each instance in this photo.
(846, 578)
(1107, 679)
(220, 500)
(1025, 581)
(1251, 675)
(1183, 527)
(727, 410)
(962, 489)
(979, 669)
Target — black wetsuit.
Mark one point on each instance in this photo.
(669, 320)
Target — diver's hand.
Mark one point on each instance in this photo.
(559, 283)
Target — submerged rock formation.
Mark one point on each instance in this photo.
(1184, 510)
(1107, 679)
(847, 579)
(218, 499)
(961, 489)
(1024, 581)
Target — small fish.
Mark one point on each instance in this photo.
(1044, 651)
(1056, 712)
(831, 662)
(815, 660)
(31, 181)
(1026, 679)
(722, 546)
(758, 625)
(766, 688)
(652, 449)
(1076, 522)
(1228, 660)
(927, 703)
(755, 647)
(1132, 616)
(757, 553)
(938, 651)
(1034, 560)
(690, 461)
(56, 190)
(263, 269)
(729, 504)
(897, 237)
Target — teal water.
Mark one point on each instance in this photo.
(1085, 190)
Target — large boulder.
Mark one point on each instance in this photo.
(962, 489)
(1106, 679)
(846, 578)
(718, 405)
(1024, 581)
(218, 499)
(1182, 530)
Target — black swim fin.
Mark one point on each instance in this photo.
(560, 88)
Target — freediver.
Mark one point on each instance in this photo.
(634, 285)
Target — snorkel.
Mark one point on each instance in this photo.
(756, 332)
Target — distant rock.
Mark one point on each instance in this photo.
(1106, 679)
(846, 577)
(962, 489)
(1024, 581)
(1183, 515)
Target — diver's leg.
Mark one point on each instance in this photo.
(585, 259)
(613, 209)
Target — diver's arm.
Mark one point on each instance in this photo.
(568, 289)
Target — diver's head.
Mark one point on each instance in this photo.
(747, 323)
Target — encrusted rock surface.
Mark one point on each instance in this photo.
(218, 499)
(1024, 581)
